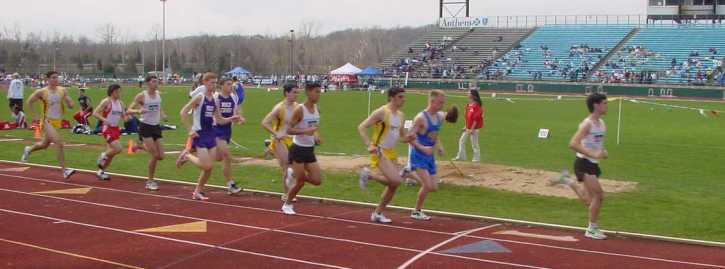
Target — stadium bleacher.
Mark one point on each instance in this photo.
(560, 52)
(677, 54)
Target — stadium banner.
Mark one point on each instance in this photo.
(467, 22)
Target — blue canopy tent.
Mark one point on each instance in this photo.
(370, 72)
(239, 72)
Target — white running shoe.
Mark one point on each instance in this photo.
(288, 209)
(102, 175)
(561, 179)
(379, 218)
(101, 160)
(595, 233)
(364, 178)
(26, 154)
(419, 215)
(67, 173)
(290, 179)
(152, 185)
(232, 188)
(199, 196)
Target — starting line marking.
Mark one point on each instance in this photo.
(15, 169)
(66, 191)
(70, 254)
(567, 238)
(11, 140)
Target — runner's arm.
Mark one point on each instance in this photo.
(184, 113)
(98, 112)
(68, 101)
(34, 97)
(137, 103)
(267, 121)
(576, 143)
(362, 129)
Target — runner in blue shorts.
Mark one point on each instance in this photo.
(229, 105)
(201, 131)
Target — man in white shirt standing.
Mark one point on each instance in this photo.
(15, 92)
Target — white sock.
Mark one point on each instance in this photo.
(593, 226)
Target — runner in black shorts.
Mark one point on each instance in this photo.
(304, 126)
(148, 105)
(588, 143)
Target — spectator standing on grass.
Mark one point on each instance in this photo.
(15, 92)
(474, 122)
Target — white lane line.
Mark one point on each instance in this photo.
(567, 238)
(278, 230)
(168, 238)
(371, 223)
(454, 238)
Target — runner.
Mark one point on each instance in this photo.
(229, 106)
(304, 126)
(54, 98)
(474, 122)
(421, 159)
(201, 131)
(388, 131)
(588, 143)
(110, 111)
(277, 124)
(148, 104)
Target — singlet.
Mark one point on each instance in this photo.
(430, 136)
(309, 119)
(152, 106)
(595, 139)
(386, 133)
(204, 115)
(113, 114)
(53, 106)
(284, 115)
(227, 105)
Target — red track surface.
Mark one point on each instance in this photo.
(97, 230)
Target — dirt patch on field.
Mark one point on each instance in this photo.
(491, 176)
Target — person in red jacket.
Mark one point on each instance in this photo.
(474, 121)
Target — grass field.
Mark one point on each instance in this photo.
(675, 155)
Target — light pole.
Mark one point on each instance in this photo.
(292, 52)
(163, 42)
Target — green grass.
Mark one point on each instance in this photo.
(675, 156)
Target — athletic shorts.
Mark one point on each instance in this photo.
(286, 141)
(55, 123)
(206, 140)
(111, 134)
(389, 154)
(583, 167)
(420, 160)
(299, 154)
(223, 132)
(15, 102)
(149, 131)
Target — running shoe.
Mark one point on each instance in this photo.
(26, 154)
(67, 173)
(232, 188)
(284, 198)
(561, 179)
(364, 178)
(595, 233)
(419, 215)
(102, 175)
(199, 196)
(152, 185)
(379, 218)
(288, 209)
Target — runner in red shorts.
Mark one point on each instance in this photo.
(110, 111)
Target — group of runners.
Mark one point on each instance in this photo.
(295, 132)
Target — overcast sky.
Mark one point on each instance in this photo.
(187, 17)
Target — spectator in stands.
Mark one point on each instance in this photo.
(410, 50)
